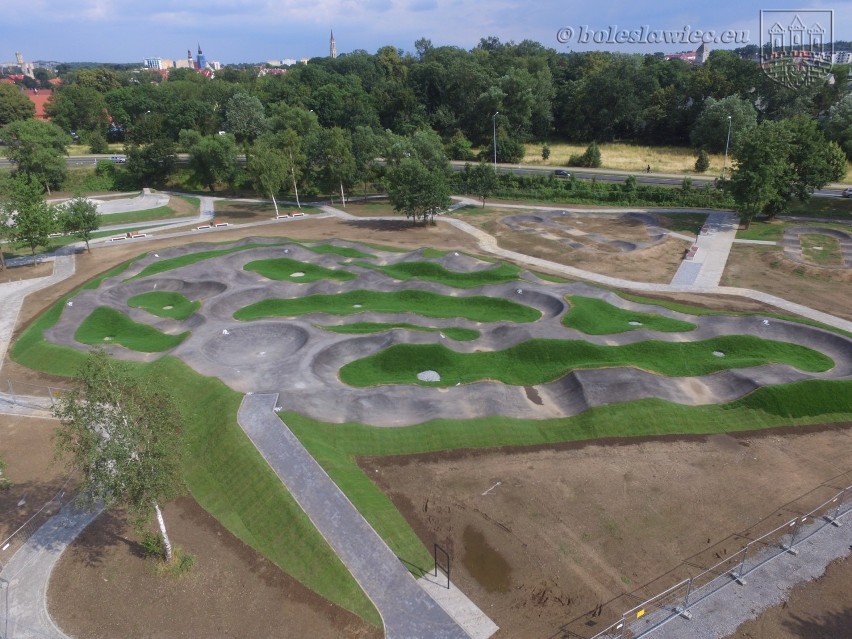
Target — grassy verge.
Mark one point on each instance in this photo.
(774, 230)
(431, 272)
(539, 361)
(689, 223)
(223, 470)
(107, 325)
(697, 310)
(337, 446)
(164, 304)
(132, 217)
(596, 317)
(476, 308)
(821, 249)
(193, 258)
(359, 328)
(283, 268)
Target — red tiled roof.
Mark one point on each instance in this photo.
(39, 98)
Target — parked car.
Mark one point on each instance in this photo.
(561, 173)
(847, 192)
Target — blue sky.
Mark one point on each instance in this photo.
(259, 30)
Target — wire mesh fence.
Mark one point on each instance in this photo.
(30, 395)
(752, 549)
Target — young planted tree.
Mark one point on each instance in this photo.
(33, 219)
(79, 218)
(482, 180)
(702, 162)
(124, 435)
(267, 168)
(416, 191)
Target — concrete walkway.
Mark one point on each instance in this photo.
(706, 268)
(28, 574)
(406, 610)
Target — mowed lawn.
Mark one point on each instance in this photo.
(283, 268)
(165, 304)
(361, 328)
(594, 316)
(105, 325)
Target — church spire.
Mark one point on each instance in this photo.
(332, 47)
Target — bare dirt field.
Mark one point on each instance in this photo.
(26, 271)
(540, 538)
(656, 263)
(231, 591)
(765, 268)
(820, 609)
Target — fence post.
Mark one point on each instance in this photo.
(683, 610)
(790, 548)
(834, 518)
(739, 575)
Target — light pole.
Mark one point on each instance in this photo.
(494, 138)
(727, 143)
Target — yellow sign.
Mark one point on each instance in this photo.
(640, 614)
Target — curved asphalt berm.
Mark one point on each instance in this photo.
(406, 610)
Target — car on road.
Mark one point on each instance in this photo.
(561, 173)
(847, 192)
(119, 159)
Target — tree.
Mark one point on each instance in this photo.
(79, 218)
(702, 162)
(332, 159)
(245, 118)
(710, 130)
(482, 180)
(78, 108)
(14, 105)
(416, 191)
(545, 151)
(366, 148)
(151, 163)
(459, 147)
(214, 159)
(37, 149)
(838, 124)
(124, 434)
(6, 210)
(590, 158)
(268, 168)
(34, 220)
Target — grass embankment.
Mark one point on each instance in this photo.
(283, 268)
(773, 231)
(105, 325)
(343, 251)
(539, 361)
(823, 250)
(432, 272)
(698, 310)
(476, 308)
(193, 258)
(358, 328)
(337, 446)
(593, 316)
(222, 469)
(165, 304)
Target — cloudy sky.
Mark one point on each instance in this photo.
(259, 30)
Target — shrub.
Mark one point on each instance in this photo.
(152, 545)
(702, 163)
(545, 151)
(591, 158)
(98, 143)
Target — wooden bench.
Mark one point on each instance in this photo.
(297, 214)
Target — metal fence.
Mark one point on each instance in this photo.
(29, 395)
(676, 600)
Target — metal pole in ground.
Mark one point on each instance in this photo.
(4, 587)
(834, 518)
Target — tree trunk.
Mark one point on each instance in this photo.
(342, 196)
(293, 174)
(2, 259)
(275, 204)
(167, 544)
(34, 255)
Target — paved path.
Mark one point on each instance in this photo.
(406, 610)
(28, 574)
(706, 268)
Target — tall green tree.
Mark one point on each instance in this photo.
(245, 118)
(482, 180)
(37, 149)
(214, 159)
(416, 191)
(33, 218)
(79, 218)
(332, 160)
(268, 170)
(711, 128)
(124, 434)
(78, 108)
(151, 163)
(14, 105)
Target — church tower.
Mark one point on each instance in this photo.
(332, 48)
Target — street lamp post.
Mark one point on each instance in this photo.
(727, 143)
(494, 134)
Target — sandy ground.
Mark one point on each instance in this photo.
(540, 538)
(26, 271)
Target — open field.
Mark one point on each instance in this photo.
(628, 157)
(338, 446)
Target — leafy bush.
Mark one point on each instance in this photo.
(152, 545)
(98, 143)
(591, 158)
(702, 163)
(545, 151)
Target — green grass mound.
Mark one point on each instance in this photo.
(172, 263)
(432, 272)
(164, 304)
(106, 325)
(539, 361)
(596, 317)
(426, 303)
(358, 328)
(283, 268)
(343, 251)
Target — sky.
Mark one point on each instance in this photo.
(234, 31)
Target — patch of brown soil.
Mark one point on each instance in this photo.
(26, 271)
(26, 445)
(766, 269)
(603, 525)
(820, 609)
(103, 587)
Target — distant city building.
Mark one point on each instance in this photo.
(332, 47)
(154, 63)
(842, 57)
(689, 56)
(200, 60)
